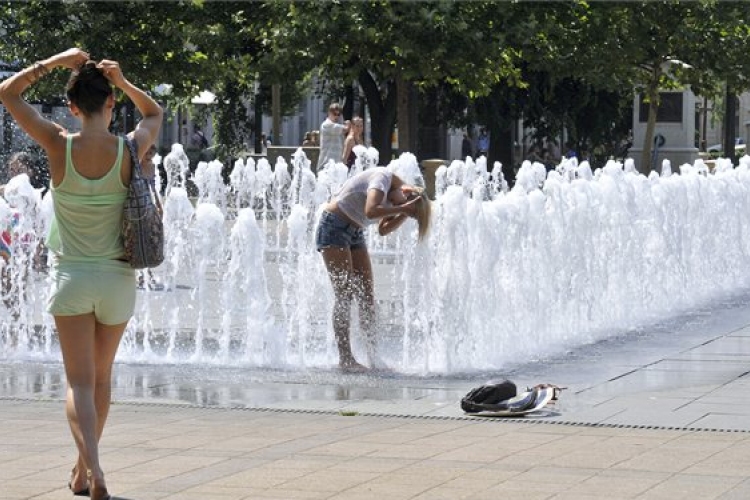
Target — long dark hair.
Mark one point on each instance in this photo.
(88, 88)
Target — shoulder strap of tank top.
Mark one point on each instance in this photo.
(120, 148)
(68, 154)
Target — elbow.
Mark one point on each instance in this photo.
(371, 213)
(153, 112)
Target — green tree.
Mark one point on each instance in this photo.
(190, 45)
(156, 41)
(654, 46)
(385, 45)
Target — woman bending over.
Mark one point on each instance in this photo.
(373, 196)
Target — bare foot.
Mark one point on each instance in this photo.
(79, 483)
(98, 488)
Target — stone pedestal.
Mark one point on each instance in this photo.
(675, 123)
(429, 167)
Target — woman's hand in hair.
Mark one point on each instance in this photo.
(409, 207)
(71, 58)
(112, 72)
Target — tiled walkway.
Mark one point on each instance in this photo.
(169, 452)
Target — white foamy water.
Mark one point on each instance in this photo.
(563, 259)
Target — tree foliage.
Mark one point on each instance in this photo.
(548, 62)
(380, 43)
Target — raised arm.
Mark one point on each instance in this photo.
(43, 131)
(147, 130)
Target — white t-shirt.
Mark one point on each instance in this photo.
(352, 197)
(331, 142)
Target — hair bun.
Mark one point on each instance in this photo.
(88, 70)
(88, 87)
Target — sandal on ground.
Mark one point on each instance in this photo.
(556, 390)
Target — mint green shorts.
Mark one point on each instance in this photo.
(105, 288)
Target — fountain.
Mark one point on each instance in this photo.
(564, 258)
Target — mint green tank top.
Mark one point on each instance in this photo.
(87, 222)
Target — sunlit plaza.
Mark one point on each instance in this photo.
(590, 197)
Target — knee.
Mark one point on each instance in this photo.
(103, 377)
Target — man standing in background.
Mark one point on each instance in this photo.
(332, 134)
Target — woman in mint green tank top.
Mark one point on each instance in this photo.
(93, 291)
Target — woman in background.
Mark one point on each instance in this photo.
(353, 138)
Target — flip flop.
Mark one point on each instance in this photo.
(555, 388)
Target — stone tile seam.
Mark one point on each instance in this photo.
(465, 418)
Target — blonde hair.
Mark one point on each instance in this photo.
(423, 209)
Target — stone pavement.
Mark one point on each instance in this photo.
(658, 413)
(172, 452)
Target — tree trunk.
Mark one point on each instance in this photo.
(382, 114)
(276, 113)
(652, 92)
(129, 116)
(406, 116)
(258, 123)
(730, 112)
(431, 132)
(348, 110)
(501, 148)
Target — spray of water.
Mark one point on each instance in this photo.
(507, 275)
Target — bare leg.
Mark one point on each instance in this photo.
(365, 294)
(88, 349)
(339, 264)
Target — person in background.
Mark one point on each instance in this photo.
(353, 138)
(332, 133)
(199, 139)
(147, 166)
(483, 142)
(19, 163)
(308, 140)
(466, 147)
(373, 196)
(93, 288)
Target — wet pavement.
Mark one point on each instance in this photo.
(688, 373)
(658, 413)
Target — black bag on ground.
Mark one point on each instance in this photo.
(488, 397)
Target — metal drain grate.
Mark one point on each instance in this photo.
(498, 420)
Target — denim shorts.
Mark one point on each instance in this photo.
(335, 231)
